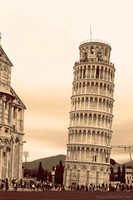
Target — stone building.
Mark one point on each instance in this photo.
(129, 175)
(11, 123)
(90, 130)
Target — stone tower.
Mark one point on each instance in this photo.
(11, 123)
(90, 130)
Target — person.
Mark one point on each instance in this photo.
(7, 184)
(2, 184)
(33, 186)
(43, 186)
(86, 188)
(15, 185)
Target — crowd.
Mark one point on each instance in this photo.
(26, 185)
(103, 187)
(33, 185)
(121, 187)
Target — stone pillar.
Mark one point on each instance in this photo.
(16, 118)
(1, 162)
(87, 74)
(7, 158)
(86, 88)
(87, 178)
(82, 73)
(5, 165)
(20, 161)
(80, 154)
(77, 74)
(3, 111)
(70, 177)
(65, 177)
(81, 137)
(94, 71)
(12, 161)
(69, 138)
(97, 177)
(11, 114)
(78, 178)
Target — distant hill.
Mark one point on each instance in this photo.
(127, 164)
(47, 163)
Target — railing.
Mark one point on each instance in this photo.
(93, 40)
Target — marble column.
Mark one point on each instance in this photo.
(1, 152)
(78, 178)
(97, 177)
(87, 178)
(12, 161)
(3, 111)
(65, 176)
(20, 161)
(70, 177)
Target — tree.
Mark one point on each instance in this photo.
(123, 174)
(112, 161)
(57, 174)
(119, 173)
(40, 174)
(111, 174)
(61, 171)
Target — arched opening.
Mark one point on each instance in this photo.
(85, 57)
(84, 72)
(97, 72)
(92, 50)
(106, 52)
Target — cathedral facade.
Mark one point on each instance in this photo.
(11, 123)
(90, 131)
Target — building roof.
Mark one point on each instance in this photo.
(4, 57)
(17, 100)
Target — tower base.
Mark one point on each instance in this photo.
(86, 174)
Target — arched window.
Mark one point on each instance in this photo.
(95, 100)
(85, 57)
(95, 158)
(81, 72)
(106, 52)
(101, 85)
(92, 50)
(90, 116)
(97, 72)
(91, 100)
(84, 72)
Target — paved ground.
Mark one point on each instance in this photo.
(65, 195)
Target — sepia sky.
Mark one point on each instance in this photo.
(41, 38)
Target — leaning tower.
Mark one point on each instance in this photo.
(90, 130)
